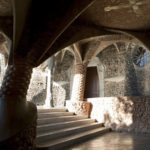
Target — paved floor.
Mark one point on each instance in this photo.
(116, 141)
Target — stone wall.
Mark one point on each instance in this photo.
(121, 76)
(37, 87)
(2, 67)
(123, 113)
(62, 78)
(114, 71)
(143, 76)
(59, 95)
(113, 61)
(114, 87)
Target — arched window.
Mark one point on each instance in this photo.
(140, 57)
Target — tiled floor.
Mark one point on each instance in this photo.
(116, 141)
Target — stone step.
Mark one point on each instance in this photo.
(62, 125)
(59, 119)
(54, 114)
(43, 110)
(50, 136)
(71, 140)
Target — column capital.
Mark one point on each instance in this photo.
(80, 68)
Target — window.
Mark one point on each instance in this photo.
(140, 57)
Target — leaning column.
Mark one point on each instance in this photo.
(78, 83)
(18, 117)
(79, 106)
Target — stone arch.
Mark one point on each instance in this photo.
(75, 52)
(65, 50)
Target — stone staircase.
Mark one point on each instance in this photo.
(58, 128)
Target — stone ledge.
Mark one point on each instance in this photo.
(129, 114)
(79, 107)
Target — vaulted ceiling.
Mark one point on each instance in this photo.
(41, 28)
(119, 14)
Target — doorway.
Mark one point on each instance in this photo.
(92, 83)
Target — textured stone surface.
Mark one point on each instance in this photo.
(62, 77)
(5, 8)
(123, 113)
(114, 88)
(121, 76)
(132, 84)
(79, 107)
(2, 67)
(114, 72)
(59, 95)
(37, 88)
(118, 17)
(12, 88)
(79, 78)
(18, 118)
(115, 65)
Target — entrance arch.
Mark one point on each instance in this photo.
(94, 79)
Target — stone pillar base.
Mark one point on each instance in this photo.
(79, 107)
(24, 140)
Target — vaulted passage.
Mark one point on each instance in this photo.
(113, 35)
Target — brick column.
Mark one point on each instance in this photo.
(78, 83)
(79, 106)
(16, 81)
(18, 117)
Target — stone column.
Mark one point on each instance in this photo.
(2, 67)
(79, 106)
(78, 82)
(48, 101)
(16, 81)
(18, 117)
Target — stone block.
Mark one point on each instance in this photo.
(80, 107)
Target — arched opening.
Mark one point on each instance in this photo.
(92, 83)
(94, 86)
